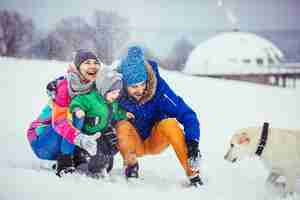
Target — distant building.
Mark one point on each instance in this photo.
(233, 53)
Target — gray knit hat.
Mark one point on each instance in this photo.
(82, 55)
(108, 80)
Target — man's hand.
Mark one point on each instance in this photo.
(130, 115)
(194, 155)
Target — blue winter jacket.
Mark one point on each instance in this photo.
(160, 102)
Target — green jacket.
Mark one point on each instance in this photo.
(98, 112)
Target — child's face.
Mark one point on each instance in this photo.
(112, 95)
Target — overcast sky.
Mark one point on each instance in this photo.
(194, 14)
(179, 16)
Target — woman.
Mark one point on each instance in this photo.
(52, 135)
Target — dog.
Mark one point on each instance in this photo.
(279, 150)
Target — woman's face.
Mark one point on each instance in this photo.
(89, 68)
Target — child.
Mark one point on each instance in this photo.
(98, 111)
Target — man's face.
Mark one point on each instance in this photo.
(137, 91)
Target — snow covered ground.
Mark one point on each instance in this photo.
(222, 106)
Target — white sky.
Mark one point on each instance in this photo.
(192, 14)
(159, 23)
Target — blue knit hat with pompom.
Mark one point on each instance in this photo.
(133, 67)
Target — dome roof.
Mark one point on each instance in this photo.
(232, 52)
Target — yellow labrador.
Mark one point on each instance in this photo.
(279, 150)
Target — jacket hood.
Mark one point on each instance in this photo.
(151, 84)
(106, 79)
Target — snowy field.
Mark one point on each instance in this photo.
(222, 106)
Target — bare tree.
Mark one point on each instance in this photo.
(16, 33)
(50, 47)
(110, 35)
(69, 34)
(75, 32)
(150, 55)
(105, 36)
(179, 54)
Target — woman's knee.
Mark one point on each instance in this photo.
(43, 152)
(47, 145)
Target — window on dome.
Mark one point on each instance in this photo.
(206, 62)
(278, 57)
(271, 61)
(259, 61)
(233, 60)
(246, 60)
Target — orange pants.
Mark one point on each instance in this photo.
(165, 132)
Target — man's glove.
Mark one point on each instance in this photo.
(110, 136)
(194, 154)
(87, 142)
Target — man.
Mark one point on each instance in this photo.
(158, 116)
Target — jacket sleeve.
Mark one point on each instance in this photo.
(119, 113)
(78, 102)
(60, 121)
(174, 106)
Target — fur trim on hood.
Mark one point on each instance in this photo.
(151, 85)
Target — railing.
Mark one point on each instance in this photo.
(284, 75)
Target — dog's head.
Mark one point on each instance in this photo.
(240, 147)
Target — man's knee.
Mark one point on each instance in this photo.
(123, 127)
(170, 126)
(169, 122)
(125, 133)
(124, 130)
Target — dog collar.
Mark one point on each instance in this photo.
(263, 139)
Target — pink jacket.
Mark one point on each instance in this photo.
(60, 109)
(55, 114)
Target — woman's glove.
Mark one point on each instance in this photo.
(87, 142)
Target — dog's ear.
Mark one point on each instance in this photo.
(244, 139)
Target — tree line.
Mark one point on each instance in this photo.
(106, 34)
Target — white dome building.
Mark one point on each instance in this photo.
(233, 52)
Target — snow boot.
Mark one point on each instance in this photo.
(80, 156)
(64, 165)
(110, 164)
(132, 171)
(195, 181)
(101, 164)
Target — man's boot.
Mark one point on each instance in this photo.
(132, 171)
(195, 180)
